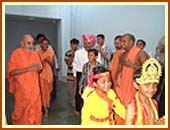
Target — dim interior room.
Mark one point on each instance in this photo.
(60, 23)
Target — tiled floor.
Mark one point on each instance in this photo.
(60, 113)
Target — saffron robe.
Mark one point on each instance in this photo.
(126, 90)
(115, 62)
(46, 76)
(25, 87)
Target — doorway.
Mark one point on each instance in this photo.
(18, 25)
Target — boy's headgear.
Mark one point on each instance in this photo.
(96, 76)
(151, 72)
(89, 38)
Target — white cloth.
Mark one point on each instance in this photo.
(56, 62)
(80, 58)
(107, 51)
(99, 58)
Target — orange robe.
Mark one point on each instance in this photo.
(25, 87)
(115, 62)
(113, 69)
(126, 90)
(46, 77)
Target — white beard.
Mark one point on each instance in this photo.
(28, 50)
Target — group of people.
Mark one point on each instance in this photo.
(104, 88)
(30, 75)
(93, 63)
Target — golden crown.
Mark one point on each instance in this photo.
(151, 72)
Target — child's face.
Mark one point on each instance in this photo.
(91, 57)
(104, 84)
(148, 89)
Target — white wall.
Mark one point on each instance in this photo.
(144, 21)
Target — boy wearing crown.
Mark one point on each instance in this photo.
(143, 109)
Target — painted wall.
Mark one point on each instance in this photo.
(144, 21)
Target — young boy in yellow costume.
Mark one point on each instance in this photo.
(143, 109)
(99, 104)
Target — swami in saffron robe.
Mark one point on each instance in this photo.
(126, 90)
(25, 87)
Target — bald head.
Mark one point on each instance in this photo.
(27, 36)
(131, 37)
(27, 42)
(127, 41)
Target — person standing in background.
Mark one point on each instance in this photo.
(80, 58)
(69, 56)
(141, 44)
(113, 69)
(56, 69)
(38, 40)
(115, 59)
(160, 50)
(160, 95)
(131, 60)
(104, 51)
(46, 76)
(87, 67)
(117, 45)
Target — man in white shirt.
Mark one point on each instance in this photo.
(104, 51)
(80, 58)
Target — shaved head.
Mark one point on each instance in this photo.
(27, 42)
(131, 37)
(27, 36)
(127, 41)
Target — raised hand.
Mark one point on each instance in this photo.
(47, 59)
(35, 67)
